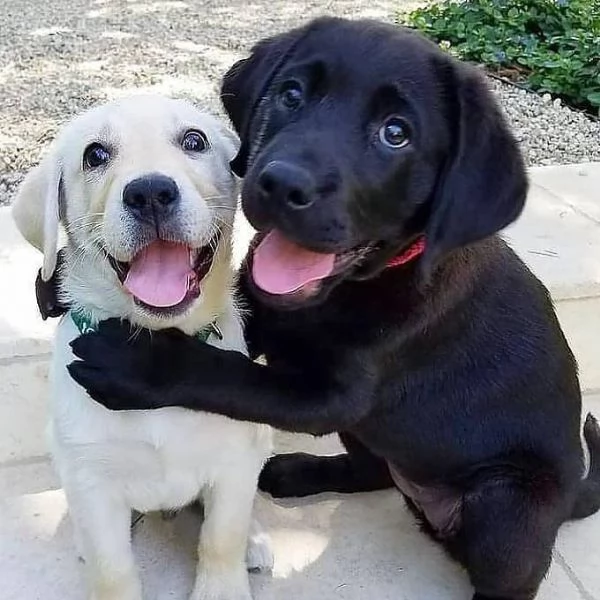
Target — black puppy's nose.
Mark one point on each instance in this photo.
(151, 195)
(285, 182)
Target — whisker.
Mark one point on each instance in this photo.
(214, 230)
(87, 217)
(221, 221)
(83, 225)
(137, 330)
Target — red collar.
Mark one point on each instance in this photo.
(413, 251)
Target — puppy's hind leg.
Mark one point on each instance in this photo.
(506, 538)
(102, 530)
(228, 505)
(300, 474)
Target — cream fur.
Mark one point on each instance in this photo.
(113, 462)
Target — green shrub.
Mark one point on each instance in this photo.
(550, 45)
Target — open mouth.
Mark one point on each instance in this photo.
(282, 268)
(165, 277)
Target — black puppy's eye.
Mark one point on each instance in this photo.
(394, 133)
(291, 95)
(194, 141)
(95, 155)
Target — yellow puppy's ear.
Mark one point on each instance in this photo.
(36, 210)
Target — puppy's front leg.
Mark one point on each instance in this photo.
(102, 523)
(259, 553)
(228, 506)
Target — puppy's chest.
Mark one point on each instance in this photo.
(161, 458)
(169, 438)
(162, 465)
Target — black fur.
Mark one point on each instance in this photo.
(452, 370)
(47, 292)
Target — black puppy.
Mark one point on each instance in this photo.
(378, 170)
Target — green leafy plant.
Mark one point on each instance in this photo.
(549, 45)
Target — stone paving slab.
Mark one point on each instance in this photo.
(578, 547)
(559, 243)
(578, 185)
(23, 411)
(27, 476)
(580, 320)
(22, 331)
(330, 547)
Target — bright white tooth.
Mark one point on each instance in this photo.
(191, 256)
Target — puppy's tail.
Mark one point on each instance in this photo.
(588, 500)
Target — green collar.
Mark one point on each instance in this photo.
(84, 322)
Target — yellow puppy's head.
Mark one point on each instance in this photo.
(143, 190)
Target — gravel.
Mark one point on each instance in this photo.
(59, 57)
(549, 132)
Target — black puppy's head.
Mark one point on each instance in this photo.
(358, 137)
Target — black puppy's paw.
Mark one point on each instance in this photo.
(136, 369)
(115, 392)
(122, 368)
(290, 476)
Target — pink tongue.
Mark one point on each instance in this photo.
(159, 275)
(281, 267)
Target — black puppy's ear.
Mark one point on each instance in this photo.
(484, 185)
(246, 83)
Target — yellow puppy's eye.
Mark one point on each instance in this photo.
(194, 141)
(95, 155)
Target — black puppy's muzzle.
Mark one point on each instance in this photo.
(288, 185)
(295, 186)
